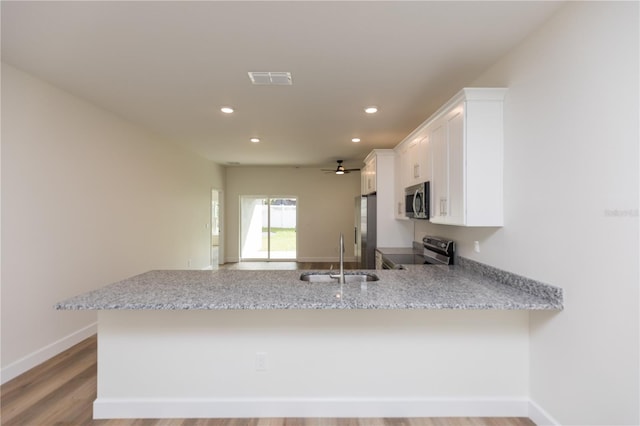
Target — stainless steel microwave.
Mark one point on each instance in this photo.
(416, 201)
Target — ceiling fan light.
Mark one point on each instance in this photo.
(339, 172)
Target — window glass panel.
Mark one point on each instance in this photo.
(282, 232)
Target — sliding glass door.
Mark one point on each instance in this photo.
(268, 228)
(281, 236)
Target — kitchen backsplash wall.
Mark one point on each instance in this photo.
(571, 132)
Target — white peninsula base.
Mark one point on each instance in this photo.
(311, 363)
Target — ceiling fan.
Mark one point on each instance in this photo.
(340, 170)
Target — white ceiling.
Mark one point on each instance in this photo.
(170, 66)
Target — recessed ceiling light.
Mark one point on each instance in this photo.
(254, 140)
(226, 110)
(371, 110)
(355, 140)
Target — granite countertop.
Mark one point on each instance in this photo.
(467, 286)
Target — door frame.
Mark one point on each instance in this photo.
(221, 226)
(268, 258)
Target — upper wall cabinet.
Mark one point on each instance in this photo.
(466, 141)
(418, 160)
(368, 175)
(390, 232)
(413, 165)
(459, 150)
(399, 180)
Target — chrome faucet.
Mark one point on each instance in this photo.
(341, 276)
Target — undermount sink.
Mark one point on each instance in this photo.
(326, 277)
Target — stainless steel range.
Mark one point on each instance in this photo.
(438, 251)
(433, 251)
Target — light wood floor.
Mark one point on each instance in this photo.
(61, 392)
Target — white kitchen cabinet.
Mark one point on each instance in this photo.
(390, 231)
(439, 184)
(368, 175)
(399, 184)
(415, 158)
(413, 166)
(466, 141)
(418, 160)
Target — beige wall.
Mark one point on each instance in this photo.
(325, 207)
(571, 158)
(87, 199)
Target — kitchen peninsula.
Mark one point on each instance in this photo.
(429, 340)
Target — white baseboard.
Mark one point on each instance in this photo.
(35, 358)
(107, 408)
(539, 416)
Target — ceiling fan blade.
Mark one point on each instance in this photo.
(340, 168)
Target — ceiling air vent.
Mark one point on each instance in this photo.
(270, 78)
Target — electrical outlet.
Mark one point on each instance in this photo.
(189, 263)
(476, 246)
(261, 361)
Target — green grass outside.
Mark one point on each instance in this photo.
(282, 239)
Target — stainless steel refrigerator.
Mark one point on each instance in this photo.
(365, 231)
